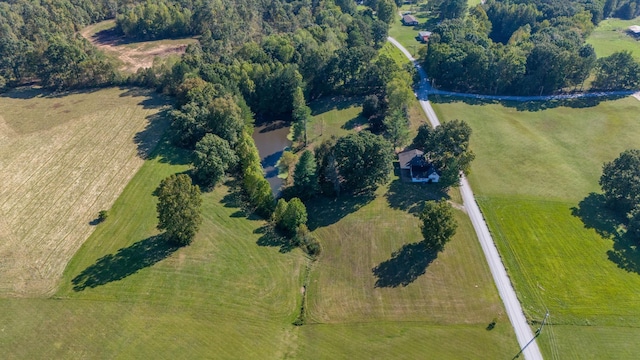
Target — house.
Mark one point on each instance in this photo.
(423, 36)
(634, 30)
(409, 20)
(415, 168)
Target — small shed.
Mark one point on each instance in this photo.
(409, 20)
(634, 30)
(423, 36)
(416, 168)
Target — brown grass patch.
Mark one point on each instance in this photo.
(133, 55)
(58, 171)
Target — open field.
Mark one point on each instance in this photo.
(533, 176)
(127, 293)
(133, 55)
(374, 274)
(64, 158)
(611, 36)
(234, 293)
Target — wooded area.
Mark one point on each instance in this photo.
(525, 48)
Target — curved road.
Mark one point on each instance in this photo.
(505, 289)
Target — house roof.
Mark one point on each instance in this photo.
(635, 29)
(424, 33)
(406, 158)
(409, 19)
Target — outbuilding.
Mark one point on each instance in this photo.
(409, 20)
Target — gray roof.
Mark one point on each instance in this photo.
(409, 19)
(635, 29)
(424, 33)
(406, 158)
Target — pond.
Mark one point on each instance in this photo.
(271, 141)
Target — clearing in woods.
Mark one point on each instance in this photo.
(132, 55)
(64, 157)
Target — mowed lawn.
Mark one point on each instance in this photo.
(374, 292)
(532, 172)
(128, 294)
(64, 157)
(611, 36)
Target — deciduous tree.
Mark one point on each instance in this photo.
(364, 160)
(212, 157)
(620, 181)
(438, 224)
(179, 208)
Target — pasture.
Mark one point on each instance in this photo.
(64, 157)
(611, 36)
(535, 179)
(235, 292)
(126, 292)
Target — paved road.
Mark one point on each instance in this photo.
(505, 289)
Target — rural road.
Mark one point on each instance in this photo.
(505, 289)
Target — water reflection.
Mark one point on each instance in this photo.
(271, 141)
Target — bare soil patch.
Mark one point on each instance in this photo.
(133, 55)
(59, 168)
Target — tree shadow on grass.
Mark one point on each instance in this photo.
(323, 211)
(405, 265)
(532, 105)
(271, 237)
(355, 122)
(410, 197)
(595, 214)
(127, 261)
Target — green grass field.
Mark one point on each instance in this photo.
(126, 293)
(64, 158)
(234, 293)
(534, 170)
(610, 36)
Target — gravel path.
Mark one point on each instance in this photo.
(505, 289)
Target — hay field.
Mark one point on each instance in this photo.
(63, 159)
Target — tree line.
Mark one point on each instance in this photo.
(524, 48)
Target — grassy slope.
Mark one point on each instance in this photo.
(224, 295)
(532, 168)
(56, 176)
(610, 36)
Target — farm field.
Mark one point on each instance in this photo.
(235, 294)
(132, 56)
(610, 36)
(533, 177)
(63, 159)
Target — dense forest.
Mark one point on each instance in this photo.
(526, 47)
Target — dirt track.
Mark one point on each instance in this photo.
(133, 55)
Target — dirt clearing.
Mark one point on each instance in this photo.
(63, 159)
(133, 55)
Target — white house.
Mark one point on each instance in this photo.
(417, 167)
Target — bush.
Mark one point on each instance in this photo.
(103, 215)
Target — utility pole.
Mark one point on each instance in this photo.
(544, 321)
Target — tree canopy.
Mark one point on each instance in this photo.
(438, 224)
(212, 158)
(363, 160)
(178, 208)
(620, 181)
(447, 147)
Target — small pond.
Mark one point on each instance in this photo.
(271, 141)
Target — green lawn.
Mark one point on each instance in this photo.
(610, 36)
(375, 283)
(234, 293)
(406, 35)
(533, 171)
(223, 296)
